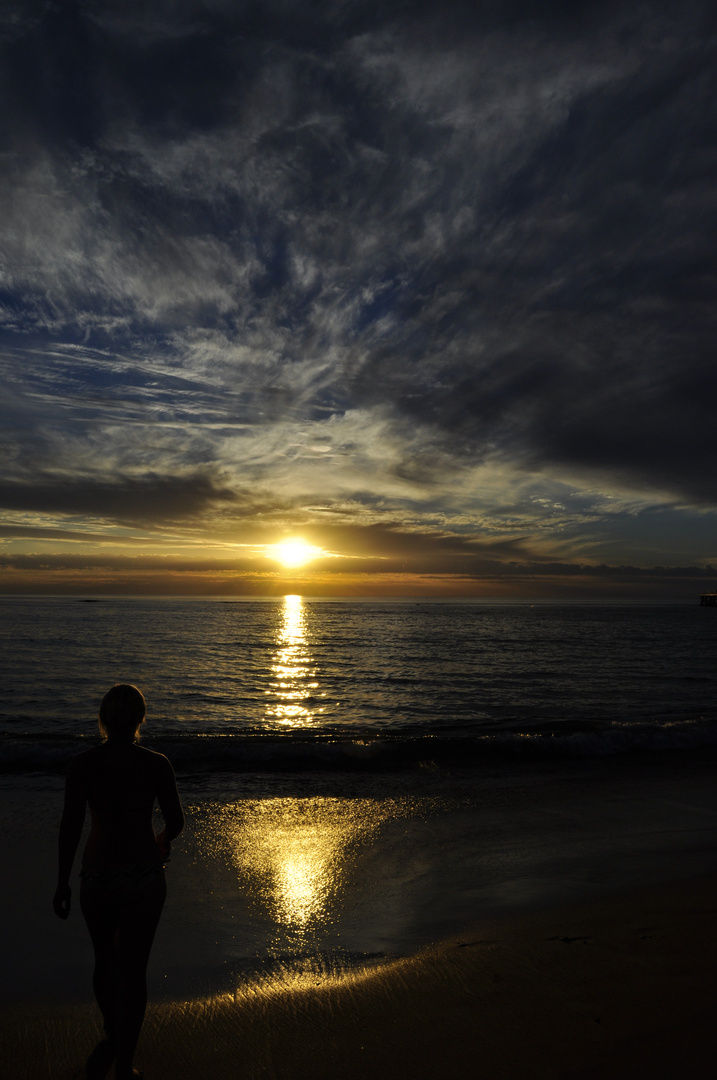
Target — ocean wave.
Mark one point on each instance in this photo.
(203, 754)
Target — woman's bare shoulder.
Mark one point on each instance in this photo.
(83, 759)
(150, 759)
(81, 766)
(154, 760)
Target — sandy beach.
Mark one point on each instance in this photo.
(556, 923)
(621, 988)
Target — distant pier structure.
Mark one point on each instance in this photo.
(708, 599)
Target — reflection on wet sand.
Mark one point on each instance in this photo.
(294, 855)
(293, 689)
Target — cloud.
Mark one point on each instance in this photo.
(575, 328)
(458, 572)
(148, 498)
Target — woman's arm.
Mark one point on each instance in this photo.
(171, 807)
(73, 818)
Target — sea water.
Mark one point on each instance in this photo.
(361, 778)
(335, 684)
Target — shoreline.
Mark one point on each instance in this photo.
(618, 987)
(264, 880)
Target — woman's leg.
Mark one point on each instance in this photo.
(101, 917)
(135, 934)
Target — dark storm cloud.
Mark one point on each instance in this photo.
(126, 499)
(575, 323)
(486, 232)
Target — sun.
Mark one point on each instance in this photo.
(292, 553)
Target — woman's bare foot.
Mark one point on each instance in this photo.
(98, 1063)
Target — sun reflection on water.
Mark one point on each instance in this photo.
(293, 854)
(293, 687)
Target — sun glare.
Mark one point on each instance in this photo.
(294, 553)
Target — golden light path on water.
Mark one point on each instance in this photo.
(293, 855)
(296, 859)
(293, 685)
(295, 852)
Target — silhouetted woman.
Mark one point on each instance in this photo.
(122, 889)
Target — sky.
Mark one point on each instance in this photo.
(429, 287)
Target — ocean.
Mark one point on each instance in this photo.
(289, 682)
(361, 778)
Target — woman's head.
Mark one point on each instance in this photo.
(121, 712)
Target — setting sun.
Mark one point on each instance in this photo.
(294, 553)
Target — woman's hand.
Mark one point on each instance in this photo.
(163, 844)
(62, 901)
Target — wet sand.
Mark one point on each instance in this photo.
(619, 988)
